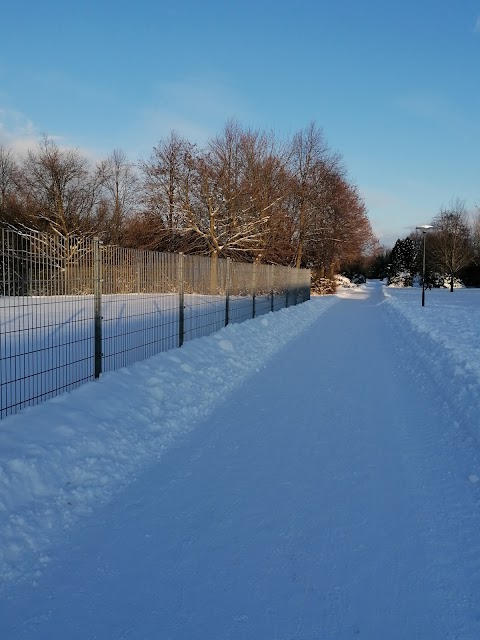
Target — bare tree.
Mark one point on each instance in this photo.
(120, 185)
(306, 159)
(224, 214)
(166, 179)
(240, 196)
(61, 189)
(351, 226)
(8, 169)
(331, 222)
(268, 183)
(476, 237)
(13, 213)
(450, 246)
(60, 193)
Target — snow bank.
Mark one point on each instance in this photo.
(61, 459)
(444, 335)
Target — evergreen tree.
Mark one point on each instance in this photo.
(403, 263)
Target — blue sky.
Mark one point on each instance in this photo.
(395, 86)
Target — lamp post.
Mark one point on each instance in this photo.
(424, 228)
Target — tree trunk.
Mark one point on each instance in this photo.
(214, 273)
(331, 271)
(298, 258)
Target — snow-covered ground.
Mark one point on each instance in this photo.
(62, 459)
(313, 473)
(47, 342)
(445, 334)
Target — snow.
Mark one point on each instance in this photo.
(47, 341)
(61, 459)
(446, 334)
(313, 473)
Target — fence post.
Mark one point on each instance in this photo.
(181, 298)
(227, 293)
(254, 286)
(97, 303)
(272, 286)
(139, 276)
(295, 290)
(287, 286)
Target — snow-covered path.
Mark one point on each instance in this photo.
(329, 498)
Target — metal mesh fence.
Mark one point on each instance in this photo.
(71, 308)
(46, 318)
(204, 295)
(139, 305)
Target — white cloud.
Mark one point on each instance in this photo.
(17, 131)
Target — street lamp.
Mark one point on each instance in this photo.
(424, 228)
